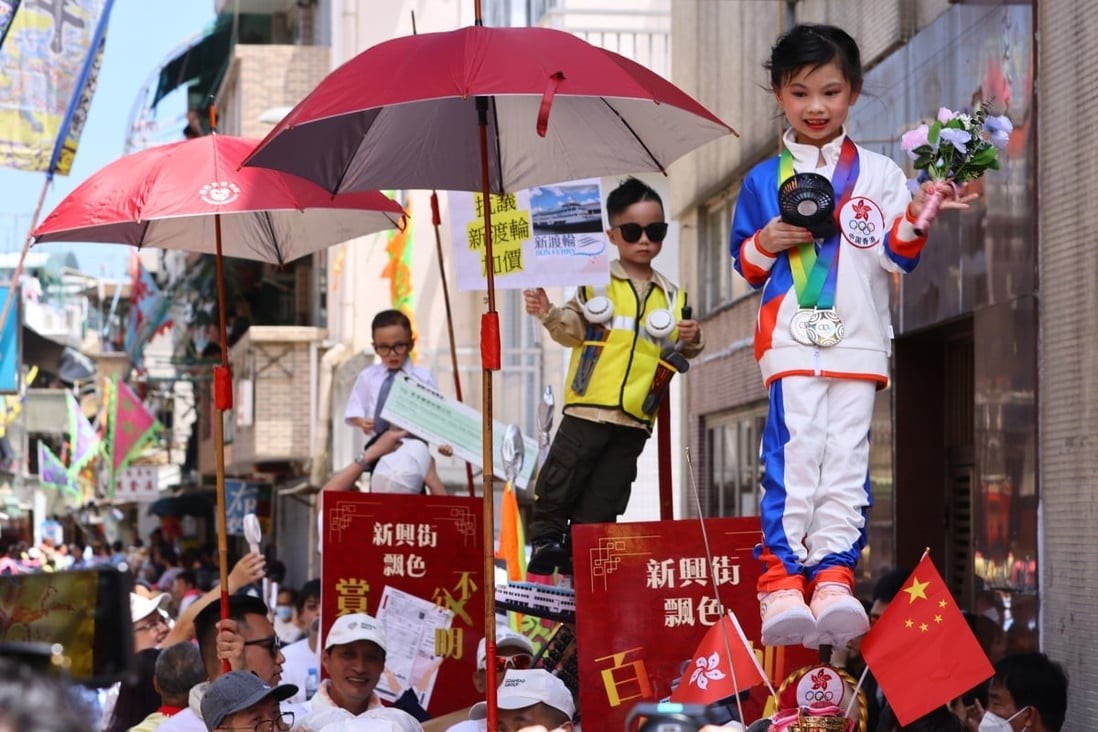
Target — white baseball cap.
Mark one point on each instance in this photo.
(141, 607)
(527, 687)
(505, 638)
(355, 627)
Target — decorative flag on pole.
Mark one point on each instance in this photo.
(399, 267)
(7, 13)
(85, 441)
(51, 471)
(708, 677)
(512, 536)
(921, 651)
(12, 404)
(148, 310)
(132, 426)
(49, 63)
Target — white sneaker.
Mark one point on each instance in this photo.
(840, 617)
(786, 619)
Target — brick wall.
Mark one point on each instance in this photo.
(1068, 447)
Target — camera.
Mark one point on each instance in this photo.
(667, 717)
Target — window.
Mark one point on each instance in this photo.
(720, 284)
(733, 468)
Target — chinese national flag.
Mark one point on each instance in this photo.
(708, 677)
(921, 651)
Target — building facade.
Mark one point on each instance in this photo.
(979, 443)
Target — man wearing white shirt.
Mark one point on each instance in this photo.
(354, 659)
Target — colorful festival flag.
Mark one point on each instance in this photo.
(132, 426)
(83, 437)
(12, 404)
(51, 471)
(512, 536)
(48, 65)
(921, 651)
(709, 676)
(7, 14)
(148, 311)
(398, 269)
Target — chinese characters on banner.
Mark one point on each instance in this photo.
(242, 498)
(417, 564)
(138, 483)
(657, 576)
(541, 237)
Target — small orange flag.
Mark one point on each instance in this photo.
(512, 539)
(921, 651)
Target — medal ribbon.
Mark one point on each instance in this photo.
(815, 275)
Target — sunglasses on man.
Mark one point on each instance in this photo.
(631, 233)
(520, 661)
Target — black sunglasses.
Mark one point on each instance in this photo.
(271, 643)
(631, 233)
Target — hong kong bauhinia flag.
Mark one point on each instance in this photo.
(921, 651)
(723, 665)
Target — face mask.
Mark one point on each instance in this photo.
(284, 612)
(994, 723)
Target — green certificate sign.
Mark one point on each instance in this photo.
(440, 420)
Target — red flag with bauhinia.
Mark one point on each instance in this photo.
(709, 676)
(921, 651)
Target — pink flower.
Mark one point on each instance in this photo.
(945, 114)
(914, 139)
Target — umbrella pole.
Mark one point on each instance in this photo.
(436, 220)
(222, 402)
(490, 361)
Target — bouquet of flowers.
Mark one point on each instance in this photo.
(957, 147)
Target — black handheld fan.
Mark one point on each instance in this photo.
(808, 200)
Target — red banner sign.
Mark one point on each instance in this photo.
(416, 563)
(646, 593)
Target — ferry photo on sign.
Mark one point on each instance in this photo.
(542, 237)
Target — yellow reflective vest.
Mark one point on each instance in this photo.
(627, 357)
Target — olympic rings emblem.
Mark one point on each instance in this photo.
(863, 227)
(862, 222)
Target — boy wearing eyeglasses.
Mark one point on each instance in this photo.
(393, 342)
(627, 339)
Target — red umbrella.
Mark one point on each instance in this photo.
(195, 196)
(490, 110)
(556, 108)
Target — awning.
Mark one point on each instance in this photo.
(204, 63)
(63, 361)
(186, 504)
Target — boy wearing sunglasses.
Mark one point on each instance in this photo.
(627, 339)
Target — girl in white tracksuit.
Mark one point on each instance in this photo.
(823, 336)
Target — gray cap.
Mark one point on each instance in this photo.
(236, 691)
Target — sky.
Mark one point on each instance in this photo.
(141, 37)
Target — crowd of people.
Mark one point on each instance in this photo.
(270, 668)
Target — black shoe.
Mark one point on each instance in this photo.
(548, 555)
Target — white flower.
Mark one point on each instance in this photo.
(706, 669)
